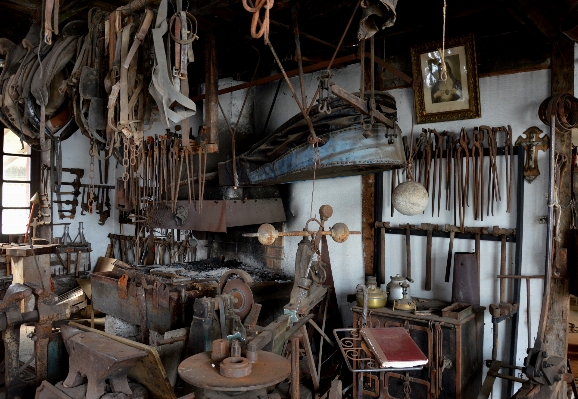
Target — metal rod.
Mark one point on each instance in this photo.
(518, 259)
(549, 238)
(518, 276)
(320, 331)
(445, 234)
(295, 22)
(211, 90)
(528, 313)
(272, 107)
(308, 36)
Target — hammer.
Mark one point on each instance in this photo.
(477, 231)
(429, 228)
(408, 228)
(497, 231)
(452, 230)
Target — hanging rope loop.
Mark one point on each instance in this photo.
(256, 10)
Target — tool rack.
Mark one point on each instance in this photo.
(379, 261)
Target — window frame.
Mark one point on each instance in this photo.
(34, 181)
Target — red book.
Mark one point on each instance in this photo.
(393, 347)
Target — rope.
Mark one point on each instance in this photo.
(256, 10)
(443, 71)
(190, 19)
(234, 131)
(316, 161)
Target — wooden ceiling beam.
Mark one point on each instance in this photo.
(543, 16)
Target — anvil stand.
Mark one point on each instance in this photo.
(29, 299)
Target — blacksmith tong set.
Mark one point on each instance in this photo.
(467, 178)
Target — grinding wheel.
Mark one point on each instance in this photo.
(242, 292)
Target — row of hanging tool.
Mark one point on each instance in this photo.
(150, 249)
(154, 170)
(459, 164)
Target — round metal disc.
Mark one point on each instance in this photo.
(242, 292)
(201, 371)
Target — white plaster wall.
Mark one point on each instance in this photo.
(75, 155)
(509, 99)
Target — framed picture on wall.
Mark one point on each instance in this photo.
(458, 97)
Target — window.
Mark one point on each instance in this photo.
(19, 179)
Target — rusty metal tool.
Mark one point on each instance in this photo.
(429, 228)
(452, 230)
(437, 170)
(449, 155)
(394, 180)
(503, 233)
(421, 156)
(528, 279)
(455, 142)
(478, 158)
(494, 186)
(427, 157)
(462, 176)
(509, 156)
(78, 261)
(408, 228)
(477, 232)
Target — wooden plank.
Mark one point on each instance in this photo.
(368, 220)
(27, 251)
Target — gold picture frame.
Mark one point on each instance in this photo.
(456, 98)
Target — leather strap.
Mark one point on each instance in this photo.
(139, 36)
(124, 112)
(48, 8)
(162, 89)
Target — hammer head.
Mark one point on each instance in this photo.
(477, 230)
(449, 228)
(498, 231)
(429, 226)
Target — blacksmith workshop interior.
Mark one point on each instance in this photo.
(288, 199)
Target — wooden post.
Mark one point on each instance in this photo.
(368, 220)
(556, 342)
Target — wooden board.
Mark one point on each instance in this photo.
(28, 251)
